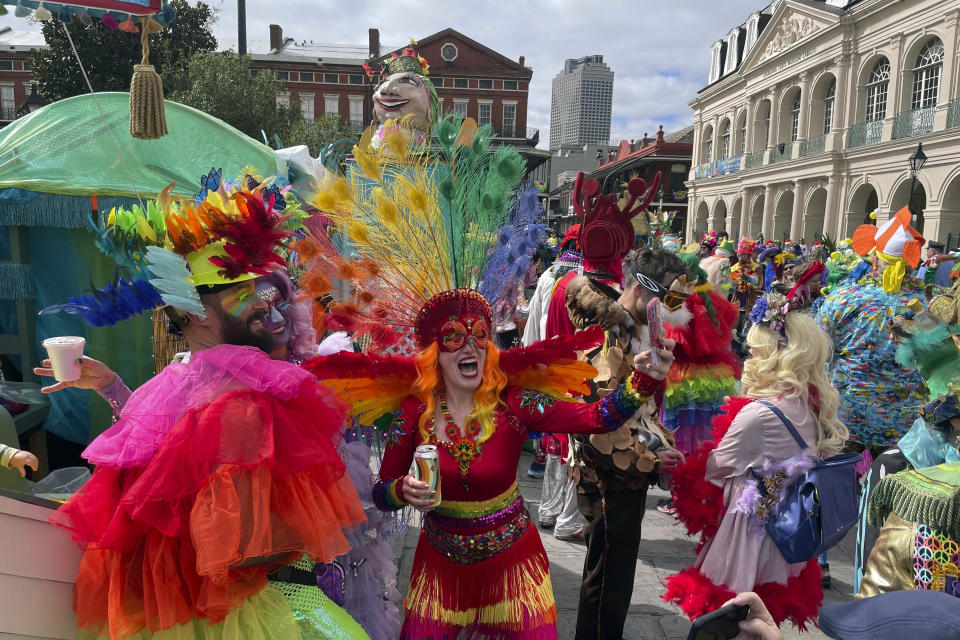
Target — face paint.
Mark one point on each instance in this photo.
(277, 321)
(237, 301)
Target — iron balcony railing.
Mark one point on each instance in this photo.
(781, 152)
(864, 134)
(813, 146)
(915, 122)
(719, 167)
(754, 159)
(8, 113)
(953, 115)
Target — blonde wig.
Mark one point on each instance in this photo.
(790, 370)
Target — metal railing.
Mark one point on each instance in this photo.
(864, 134)
(8, 113)
(915, 122)
(755, 159)
(813, 146)
(778, 155)
(719, 167)
(953, 114)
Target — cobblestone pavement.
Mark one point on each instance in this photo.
(664, 550)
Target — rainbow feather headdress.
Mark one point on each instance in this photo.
(418, 223)
(167, 249)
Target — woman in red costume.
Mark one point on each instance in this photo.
(722, 499)
(480, 568)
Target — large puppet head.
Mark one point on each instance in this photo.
(405, 90)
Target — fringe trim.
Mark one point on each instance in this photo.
(897, 494)
(798, 600)
(16, 282)
(25, 208)
(510, 591)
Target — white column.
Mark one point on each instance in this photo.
(767, 225)
(751, 112)
(796, 217)
(830, 218)
(773, 137)
(745, 211)
(806, 104)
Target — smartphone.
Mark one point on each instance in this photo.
(656, 330)
(722, 624)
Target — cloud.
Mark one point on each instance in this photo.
(659, 51)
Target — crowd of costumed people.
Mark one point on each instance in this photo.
(372, 348)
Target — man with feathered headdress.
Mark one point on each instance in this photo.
(221, 476)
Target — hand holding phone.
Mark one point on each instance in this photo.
(722, 624)
(656, 331)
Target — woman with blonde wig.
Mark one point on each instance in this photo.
(786, 372)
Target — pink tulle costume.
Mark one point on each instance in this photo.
(154, 408)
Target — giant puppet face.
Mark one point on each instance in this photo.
(401, 94)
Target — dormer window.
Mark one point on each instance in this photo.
(716, 61)
(753, 28)
(732, 39)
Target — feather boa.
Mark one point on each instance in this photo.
(798, 600)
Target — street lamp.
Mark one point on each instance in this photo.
(34, 100)
(916, 161)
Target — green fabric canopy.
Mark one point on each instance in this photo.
(64, 148)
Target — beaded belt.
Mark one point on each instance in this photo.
(460, 542)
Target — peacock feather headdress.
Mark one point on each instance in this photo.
(419, 222)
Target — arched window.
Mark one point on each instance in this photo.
(708, 145)
(725, 140)
(877, 85)
(743, 134)
(926, 76)
(828, 100)
(795, 118)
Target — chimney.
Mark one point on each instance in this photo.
(276, 37)
(374, 37)
(522, 60)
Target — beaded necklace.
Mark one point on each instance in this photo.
(463, 448)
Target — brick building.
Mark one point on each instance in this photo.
(469, 77)
(16, 75)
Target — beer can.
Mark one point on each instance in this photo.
(427, 467)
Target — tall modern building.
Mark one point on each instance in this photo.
(581, 104)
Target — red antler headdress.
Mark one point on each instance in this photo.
(606, 234)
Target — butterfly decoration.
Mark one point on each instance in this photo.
(209, 182)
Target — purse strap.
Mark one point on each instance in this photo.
(786, 422)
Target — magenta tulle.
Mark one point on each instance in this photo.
(864, 464)
(155, 407)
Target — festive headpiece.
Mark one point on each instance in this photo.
(895, 242)
(571, 234)
(772, 308)
(724, 249)
(169, 249)
(442, 222)
(606, 233)
(407, 60)
(709, 239)
(746, 245)
(670, 243)
(452, 315)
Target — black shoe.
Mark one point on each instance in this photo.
(825, 575)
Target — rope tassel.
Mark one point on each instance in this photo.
(147, 118)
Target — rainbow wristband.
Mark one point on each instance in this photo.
(386, 495)
(619, 406)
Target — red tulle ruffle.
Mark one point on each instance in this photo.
(244, 478)
(798, 600)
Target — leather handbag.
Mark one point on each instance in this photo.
(816, 512)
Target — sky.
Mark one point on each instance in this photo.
(658, 50)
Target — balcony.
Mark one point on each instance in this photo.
(8, 114)
(913, 123)
(781, 152)
(755, 159)
(718, 167)
(813, 146)
(864, 134)
(953, 115)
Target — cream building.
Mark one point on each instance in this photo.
(811, 111)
